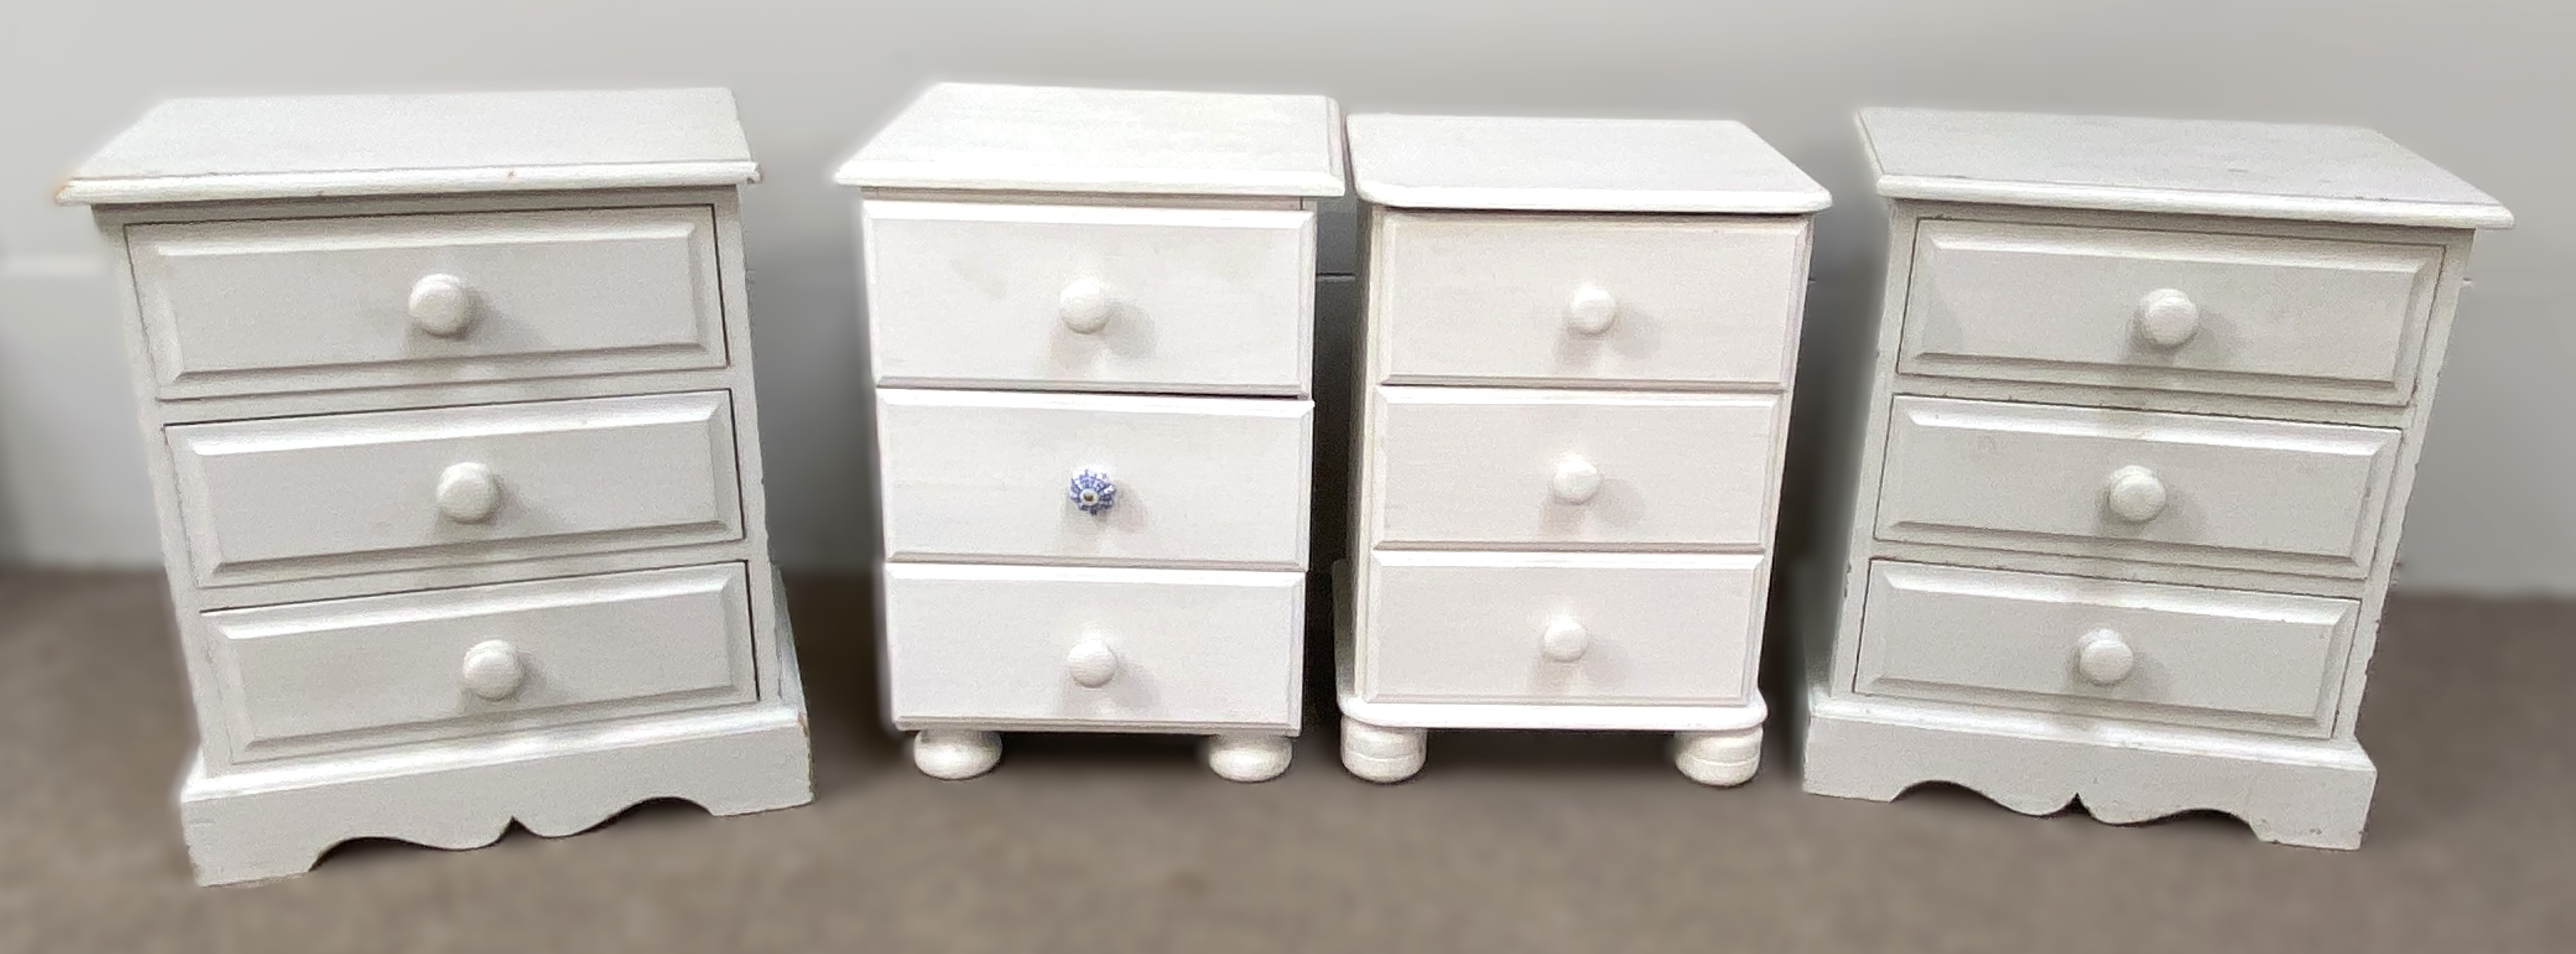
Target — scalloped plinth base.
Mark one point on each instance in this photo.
(272, 821)
(2313, 793)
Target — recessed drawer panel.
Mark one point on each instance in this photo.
(2168, 488)
(320, 496)
(1588, 469)
(2173, 654)
(282, 305)
(1090, 298)
(1573, 628)
(1098, 649)
(1706, 300)
(2168, 310)
(991, 476)
(444, 663)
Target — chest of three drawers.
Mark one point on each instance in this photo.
(2137, 458)
(1578, 350)
(459, 484)
(1092, 339)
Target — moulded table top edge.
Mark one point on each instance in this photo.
(1566, 164)
(940, 160)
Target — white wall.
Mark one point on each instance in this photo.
(2478, 85)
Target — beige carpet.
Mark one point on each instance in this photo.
(1507, 842)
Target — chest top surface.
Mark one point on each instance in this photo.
(233, 148)
(1575, 165)
(1055, 139)
(2206, 167)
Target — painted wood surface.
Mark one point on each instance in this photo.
(1575, 165)
(984, 136)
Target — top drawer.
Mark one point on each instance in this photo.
(2172, 311)
(1090, 298)
(288, 305)
(1653, 300)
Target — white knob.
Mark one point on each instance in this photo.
(492, 670)
(1564, 641)
(1591, 310)
(468, 493)
(2167, 318)
(2134, 494)
(1091, 663)
(1576, 481)
(2103, 658)
(1084, 305)
(440, 305)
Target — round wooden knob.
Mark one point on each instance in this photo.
(1564, 641)
(1576, 481)
(493, 670)
(2134, 494)
(1084, 305)
(1591, 310)
(440, 305)
(468, 493)
(2167, 318)
(2103, 658)
(1091, 663)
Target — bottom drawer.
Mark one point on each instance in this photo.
(377, 670)
(1582, 628)
(1093, 648)
(2173, 654)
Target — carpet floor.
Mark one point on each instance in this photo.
(1507, 842)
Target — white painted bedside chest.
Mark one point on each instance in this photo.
(1090, 319)
(1580, 340)
(449, 409)
(2147, 406)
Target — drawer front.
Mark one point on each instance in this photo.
(1630, 299)
(1591, 629)
(286, 305)
(2173, 654)
(444, 663)
(2168, 310)
(1538, 469)
(1090, 298)
(986, 476)
(1042, 647)
(2167, 488)
(318, 496)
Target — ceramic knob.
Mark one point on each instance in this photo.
(1591, 310)
(2167, 318)
(1564, 641)
(1091, 663)
(493, 670)
(2104, 658)
(1084, 305)
(2134, 494)
(468, 493)
(440, 305)
(1576, 481)
(1092, 492)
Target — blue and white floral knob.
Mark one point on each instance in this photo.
(1092, 492)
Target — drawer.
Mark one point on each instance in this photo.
(2166, 488)
(283, 305)
(2168, 310)
(1672, 301)
(432, 664)
(2172, 654)
(994, 476)
(1537, 469)
(1575, 628)
(1090, 298)
(1093, 648)
(288, 498)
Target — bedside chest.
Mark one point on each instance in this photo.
(1090, 318)
(448, 402)
(2147, 407)
(1580, 341)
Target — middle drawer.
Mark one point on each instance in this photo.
(999, 477)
